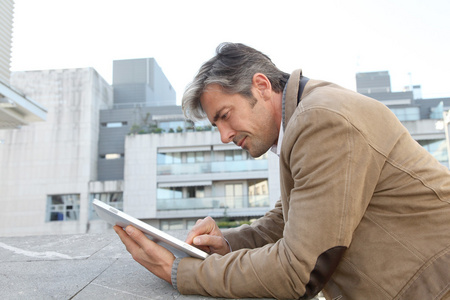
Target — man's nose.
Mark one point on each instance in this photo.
(226, 133)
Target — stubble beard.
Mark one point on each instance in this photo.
(257, 147)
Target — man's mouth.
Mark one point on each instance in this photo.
(241, 142)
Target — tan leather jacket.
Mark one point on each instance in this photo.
(364, 211)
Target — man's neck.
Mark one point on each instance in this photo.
(277, 100)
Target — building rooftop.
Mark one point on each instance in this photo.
(83, 266)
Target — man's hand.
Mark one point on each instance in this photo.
(206, 236)
(152, 256)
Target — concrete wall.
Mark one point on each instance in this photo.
(58, 156)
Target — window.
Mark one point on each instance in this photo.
(196, 192)
(234, 195)
(63, 207)
(170, 193)
(114, 124)
(112, 156)
(258, 193)
(172, 225)
(407, 114)
(193, 157)
(169, 158)
(437, 112)
(114, 199)
(233, 155)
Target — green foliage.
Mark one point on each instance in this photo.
(135, 129)
(231, 224)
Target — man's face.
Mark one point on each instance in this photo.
(251, 128)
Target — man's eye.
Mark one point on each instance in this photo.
(224, 116)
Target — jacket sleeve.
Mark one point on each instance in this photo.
(328, 173)
(265, 230)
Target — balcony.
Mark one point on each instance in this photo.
(213, 167)
(213, 203)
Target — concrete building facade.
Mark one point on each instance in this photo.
(47, 166)
(192, 175)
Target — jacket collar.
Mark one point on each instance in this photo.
(290, 96)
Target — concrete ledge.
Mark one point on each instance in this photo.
(83, 266)
(86, 266)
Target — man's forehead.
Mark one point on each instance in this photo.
(211, 95)
(213, 88)
(211, 105)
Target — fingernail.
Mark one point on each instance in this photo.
(197, 241)
(129, 230)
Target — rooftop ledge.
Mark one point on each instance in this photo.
(82, 266)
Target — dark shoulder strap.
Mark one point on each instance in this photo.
(303, 81)
(294, 88)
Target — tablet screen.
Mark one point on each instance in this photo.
(117, 217)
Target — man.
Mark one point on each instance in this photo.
(364, 210)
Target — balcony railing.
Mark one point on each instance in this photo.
(213, 167)
(213, 202)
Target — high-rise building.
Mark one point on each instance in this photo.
(16, 109)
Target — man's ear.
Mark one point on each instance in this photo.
(262, 85)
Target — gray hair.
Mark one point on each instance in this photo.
(232, 68)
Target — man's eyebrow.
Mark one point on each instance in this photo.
(217, 116)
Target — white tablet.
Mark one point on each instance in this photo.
(117, 217)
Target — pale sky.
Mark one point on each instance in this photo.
(329, 40)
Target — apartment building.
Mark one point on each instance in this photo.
(168, 171)
(424, 118)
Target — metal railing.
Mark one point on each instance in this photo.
(213, 167)
(213, 202)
